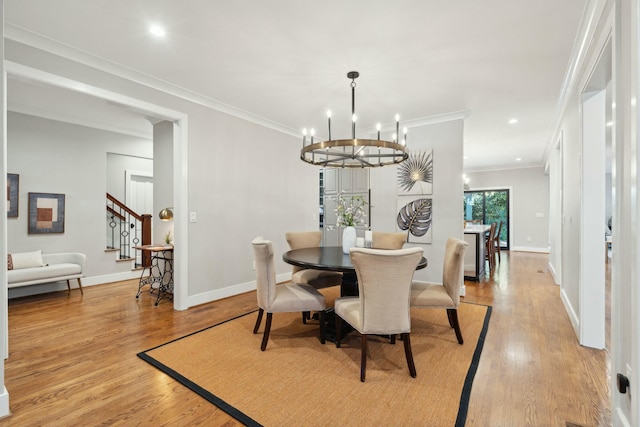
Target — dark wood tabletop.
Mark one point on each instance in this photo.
(326, 258)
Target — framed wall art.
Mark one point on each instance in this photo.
(415, 175)
(13, 188)
(46, 213)
(414, 217)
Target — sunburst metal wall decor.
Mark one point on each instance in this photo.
(415, 175)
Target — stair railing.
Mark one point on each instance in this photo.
(127, 229)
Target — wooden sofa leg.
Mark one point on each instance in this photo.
(68, 285)
(80, 286)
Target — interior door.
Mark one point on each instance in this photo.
(139, 198)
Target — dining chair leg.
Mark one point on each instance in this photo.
(338, 321)
(409, 354)
(392, 338)
(267, 329)
(258, 321)
(322, 318)
(306, 315)
(452, 314)
(363, 357)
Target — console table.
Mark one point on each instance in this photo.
(160, 278)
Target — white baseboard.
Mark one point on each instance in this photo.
(109, 278)
(4, 403)
(42, 288)
(529, 249)
(573, 317)
(553, 273)
(230, 291)
(622, 418)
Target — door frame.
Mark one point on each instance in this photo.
(509, 189)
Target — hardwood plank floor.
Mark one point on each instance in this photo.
(72, 358)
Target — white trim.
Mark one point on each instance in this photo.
(552, 270)
(421, 121)
(621, 418)
(530, 249)
(588, 25)
(21, 35)
(110, 278)
(4, 403)
(61, 116)
(230, 291)
(573, 318)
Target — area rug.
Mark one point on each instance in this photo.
(298, 381)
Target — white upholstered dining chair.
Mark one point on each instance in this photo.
(382, 240)
(446, 294)
(283, 298)
(382, 306)
(316, 278)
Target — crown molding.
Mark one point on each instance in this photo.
(80, 121)
(29, 38)
(591, 16)
(423, 121)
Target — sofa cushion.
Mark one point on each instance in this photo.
(25, 260)
(52, 270)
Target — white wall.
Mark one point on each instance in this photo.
(445, 139)
(529, 197)
(55, 157)
(117, 164)
(241, 182)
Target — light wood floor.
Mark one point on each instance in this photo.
(73, 358)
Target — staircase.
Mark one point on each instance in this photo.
(127, 229)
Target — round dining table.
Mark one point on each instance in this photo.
(331, 258)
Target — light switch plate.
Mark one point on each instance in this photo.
(193, 217)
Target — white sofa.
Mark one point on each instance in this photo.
(32, 268)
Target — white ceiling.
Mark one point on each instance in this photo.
(287, 60)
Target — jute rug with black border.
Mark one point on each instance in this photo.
(298, 381)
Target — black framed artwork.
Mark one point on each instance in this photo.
(13, 188)
(46, 213)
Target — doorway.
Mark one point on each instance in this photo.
(487, 207)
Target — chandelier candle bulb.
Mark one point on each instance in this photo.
(312, 132)
(304, 137)
(378, 129)
(404, 141)
(329, 119)
(398, 124)
(354, 118)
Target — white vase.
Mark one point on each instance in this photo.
(348, 239)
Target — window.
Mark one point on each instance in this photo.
(489, 206)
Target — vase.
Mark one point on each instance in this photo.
(348, 238)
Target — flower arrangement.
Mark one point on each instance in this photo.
(350, 211)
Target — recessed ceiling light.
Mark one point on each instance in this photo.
(518, 159)
(157, 30)
(513, 121)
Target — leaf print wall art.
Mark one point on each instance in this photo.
(414, 217)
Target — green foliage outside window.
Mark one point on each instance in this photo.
(487, 206)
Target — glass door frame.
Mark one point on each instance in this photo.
(507, 225)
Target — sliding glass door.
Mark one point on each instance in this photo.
(487, 207)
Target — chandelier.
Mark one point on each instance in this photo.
(354, 152)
